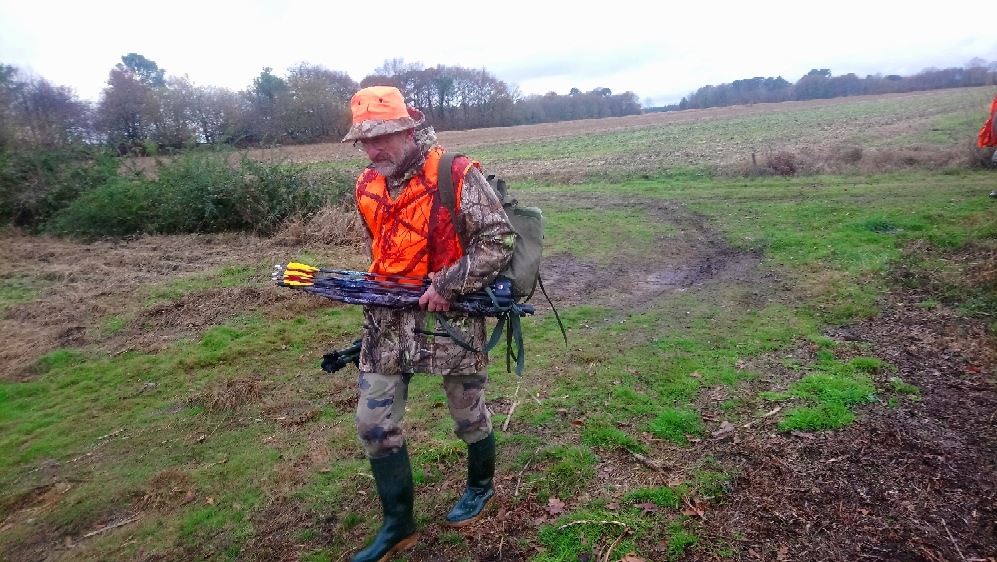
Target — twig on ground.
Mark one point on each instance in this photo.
(106, 528)
(765, 415)
(519, 479)
(615, 544)
(647, 461)
(112, 434)
(951, 538)
(505, 424)
(515, 403)
(587, 521)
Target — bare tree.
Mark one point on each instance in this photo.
(51, 116)
(319, 102)
(216, 113)
(171, 111)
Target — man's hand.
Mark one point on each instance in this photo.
(431, 300)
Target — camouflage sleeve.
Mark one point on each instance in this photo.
(483, 223)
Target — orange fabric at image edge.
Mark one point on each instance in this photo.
(987, 136)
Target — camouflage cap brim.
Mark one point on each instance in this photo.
(377, 127)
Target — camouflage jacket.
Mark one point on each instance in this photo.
(409, 341)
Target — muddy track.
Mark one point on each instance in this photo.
(698, 256)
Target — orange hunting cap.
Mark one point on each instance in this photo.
(381, 110)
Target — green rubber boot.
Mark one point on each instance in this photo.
(480, 489)
(393, 476)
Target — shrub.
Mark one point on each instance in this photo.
(36, 184)
(202, 192)
(783, 163)
(120, 207)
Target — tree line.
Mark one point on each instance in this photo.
(141, 110)
(820, 84)
(59, 170)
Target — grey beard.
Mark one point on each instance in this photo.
(397, 171)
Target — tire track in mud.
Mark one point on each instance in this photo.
(698, 255)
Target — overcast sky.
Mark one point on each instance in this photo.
(659, 52)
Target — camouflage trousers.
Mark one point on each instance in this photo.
(381, 408)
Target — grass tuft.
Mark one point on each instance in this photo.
(676, 424)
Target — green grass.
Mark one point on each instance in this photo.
(16, 290)
(594, 233)
(227, 276)
(829, 392)
(676, 425)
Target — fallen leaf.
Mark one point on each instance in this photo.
(694, 509)
(555, 506)
(578, 422)
(740, 364)
(612, 506)
(632, 557)
(648, 507)
(210, 501)
(726, 428)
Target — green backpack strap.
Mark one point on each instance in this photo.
(514, 332)
(444, 180)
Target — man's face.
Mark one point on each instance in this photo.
(388, 152)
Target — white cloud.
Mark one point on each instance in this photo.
(656, 51)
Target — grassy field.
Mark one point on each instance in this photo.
(181, 415)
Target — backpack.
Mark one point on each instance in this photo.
(523, 270)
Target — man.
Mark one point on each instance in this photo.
(413, 234)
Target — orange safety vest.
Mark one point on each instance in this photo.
(412, 235)
(987, 136)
